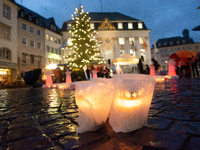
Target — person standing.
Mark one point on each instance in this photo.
(140, 65)
(88, 73)
(194, 67)
(57, 74)
(156, 65)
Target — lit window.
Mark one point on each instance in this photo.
(131, 41)
(121, 52)
(132, 53)
(31, 29)
(141, 40)
(47, 36)
(51, 38)
(30, 18)
(120, 26)
(55, 40)
(23, 26)
(38, 32)
(69, 26)
(31, 43)
(140, 26)
(6, 11)
(48, 49)
(91, 25)
(121, 41)
(24, 41)
(130, 25)
(38, 45)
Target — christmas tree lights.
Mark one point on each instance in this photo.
(82, 43)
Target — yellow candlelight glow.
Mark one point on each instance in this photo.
(129, 103)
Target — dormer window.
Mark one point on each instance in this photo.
(51, 27)
(183, 41)
(54, 28)
(159, 44)
(140, 26)
(30, 18)
(120, 26)
(130, 25)
(69, 26)
(178, 42)
(165, 43)
(37, 20)
(22, 14)
(171, 43)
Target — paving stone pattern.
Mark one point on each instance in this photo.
(45, 119)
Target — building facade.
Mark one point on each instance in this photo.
(8, 41)
(168, 46)
(37, 40)
(117, 34)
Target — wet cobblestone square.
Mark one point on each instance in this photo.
(46, 119)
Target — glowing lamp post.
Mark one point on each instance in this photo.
(152, 70)
(48, 77)
(133, 95)
(93, 100)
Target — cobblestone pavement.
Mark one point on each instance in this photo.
(45, 119)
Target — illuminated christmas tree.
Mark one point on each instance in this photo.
(82, 44)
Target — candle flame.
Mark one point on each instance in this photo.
(129, 103)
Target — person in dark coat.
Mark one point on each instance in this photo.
(88, 73)
(147, 69)
(140, 65)
(195, 68)
(156, 65)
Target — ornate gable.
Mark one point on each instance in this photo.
(106, 25)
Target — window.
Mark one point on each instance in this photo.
(31, 29)
(130, 25)
(38, 45)
(54, 28)
(177, 42)
(31, 43)
(121, 41)
(5, 53)
(183, 41)
(197, 47)
(6, 33)
(132, 53)
(38, 32)
(120, 26)
(24, 58)
(140, 26)
(30, 18)
(47, 37)
(121, 52)
(36, 20)
(55, 51)
(24, 41)
(165, 50)
(131, 41)
(59, 41)
(165, 44)
(69, 26)
(51, 27)
(52, 50)
(60, 52)
(159, 44)
(22, 14)
(48, 49)
(32, 59)
(6, 11)
(91, 25)
(23, 26)
(55, 40)
(141, 40)
(51, 38)
(171, 43)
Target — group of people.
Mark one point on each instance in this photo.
(144, 69)
(102, 72)
(188, 67)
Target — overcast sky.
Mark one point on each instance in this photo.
(165, 18)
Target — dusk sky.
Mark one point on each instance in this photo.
(165, 18)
